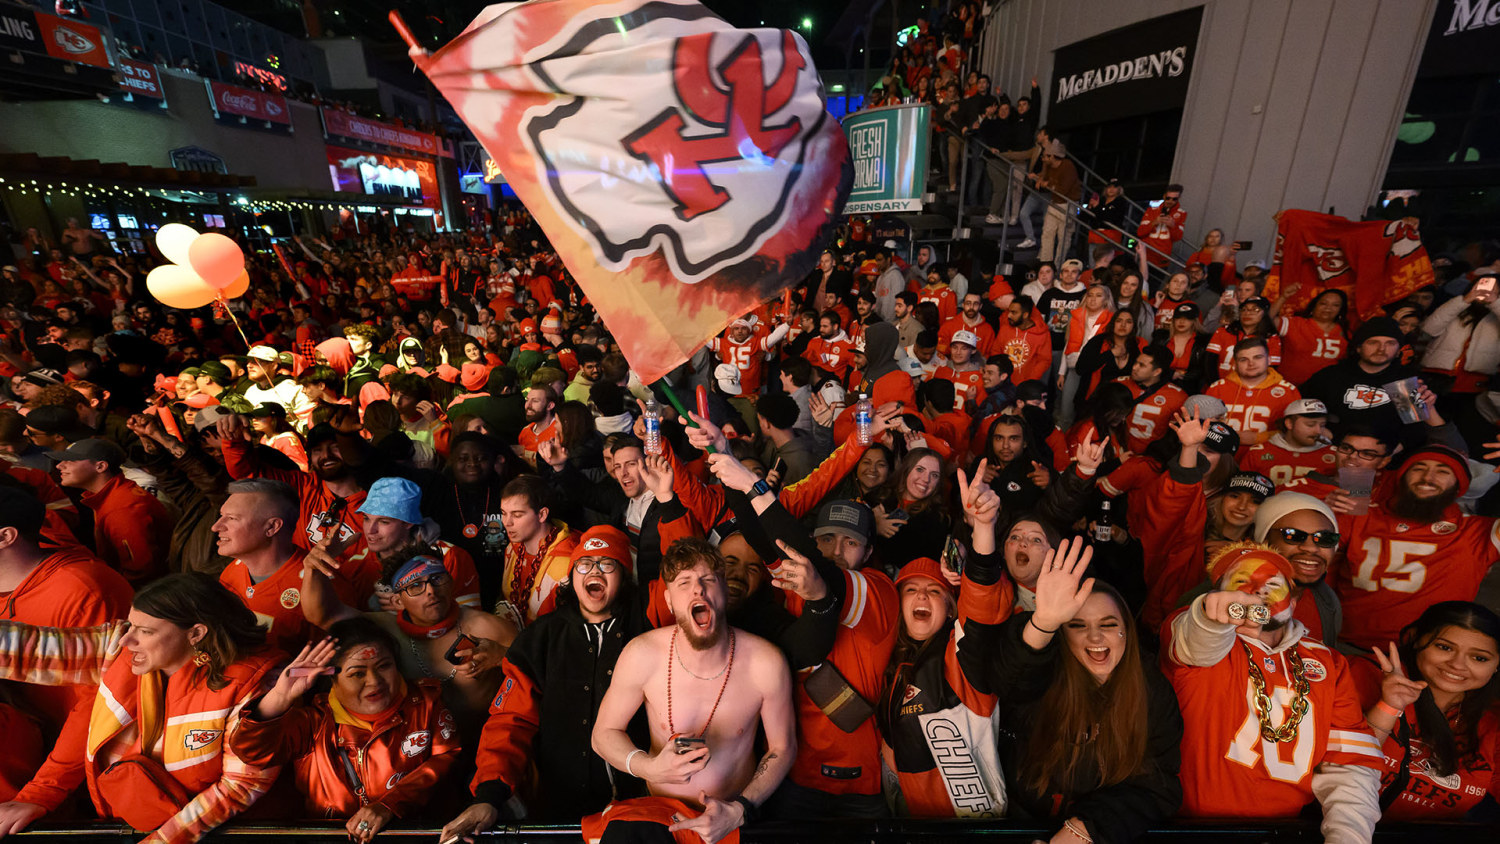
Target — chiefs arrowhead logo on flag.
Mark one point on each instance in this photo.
(684, 170)
(1373, 263)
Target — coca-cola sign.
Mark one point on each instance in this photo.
(251, 105)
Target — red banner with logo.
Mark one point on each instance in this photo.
(254, 105)
(140, 79)
(347, 125)
(1374, 263)
(73, 41)
(684, 170)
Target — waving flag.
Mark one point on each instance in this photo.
(1374, 263)
(683, 169)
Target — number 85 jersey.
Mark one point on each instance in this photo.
(1394, 568)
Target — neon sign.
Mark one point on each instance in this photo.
(250, 71)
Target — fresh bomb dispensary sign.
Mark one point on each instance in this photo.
(1137, 69)
(888, 147)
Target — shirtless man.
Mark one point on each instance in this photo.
(427, 622)
(699, 679)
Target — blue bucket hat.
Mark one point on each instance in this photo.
(394, 498)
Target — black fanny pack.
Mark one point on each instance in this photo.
(839, 701)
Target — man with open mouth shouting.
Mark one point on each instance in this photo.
(704, 685)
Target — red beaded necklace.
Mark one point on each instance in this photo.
(728, 670)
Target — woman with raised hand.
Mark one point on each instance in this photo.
(923, 682)
(1090, 730)
(172, 681)
(371, 748)
(1436, 714)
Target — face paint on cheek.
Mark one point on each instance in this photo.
(1263, 580)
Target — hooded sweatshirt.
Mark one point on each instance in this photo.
(1254, 410)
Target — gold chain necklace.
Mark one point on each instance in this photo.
(1288, 729)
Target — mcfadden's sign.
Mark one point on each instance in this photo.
(1464, 39)
(1138, 69)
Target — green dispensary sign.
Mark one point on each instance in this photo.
(889, 149)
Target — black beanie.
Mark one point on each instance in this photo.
(1381, 326)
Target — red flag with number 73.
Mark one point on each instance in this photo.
(684, 170)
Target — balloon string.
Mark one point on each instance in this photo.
(225, 303)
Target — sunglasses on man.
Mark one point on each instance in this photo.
(1322, 538)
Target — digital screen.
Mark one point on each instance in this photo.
(99, 221)
(128, 222)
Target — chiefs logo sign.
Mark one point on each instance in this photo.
(717, 139)
(1404, 238)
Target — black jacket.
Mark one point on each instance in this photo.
(1001, 663)
(569, 661)
(576, 493)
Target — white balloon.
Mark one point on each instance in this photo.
(173, 240)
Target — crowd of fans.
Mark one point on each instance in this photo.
(1106, 532)
(1113, 544)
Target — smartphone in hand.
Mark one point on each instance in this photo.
(463, 642)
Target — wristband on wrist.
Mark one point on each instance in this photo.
(630, 757)
(1039, 628)
(1382, 706)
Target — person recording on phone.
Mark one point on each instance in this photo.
(1465, 346)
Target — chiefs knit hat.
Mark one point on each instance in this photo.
(473, 376)
(1282, 504)
(1381, 326)
(925, 567)
(1445, 455)
(603, 541)
(1237, 552)
(528, 326)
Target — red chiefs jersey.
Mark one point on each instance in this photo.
(833, 355)
(1222, 344)
(957, 324)
(1306, 348)
(1228, 767)
(1252, 410)
(277, 600)
(748, 357)
(942, 296)
(1395, 568)
(859, 229)
(1282, 463)
(1318, 485)
(968, 387)
(530, 438)
(1151, 417)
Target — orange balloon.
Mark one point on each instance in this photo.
(216, 259)
(237, 287)
(177, 286)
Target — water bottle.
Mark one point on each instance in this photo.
(1103, 531)
(653, 427)
(864, 419)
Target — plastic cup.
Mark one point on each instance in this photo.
(1409, 405)
(1358, 484)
